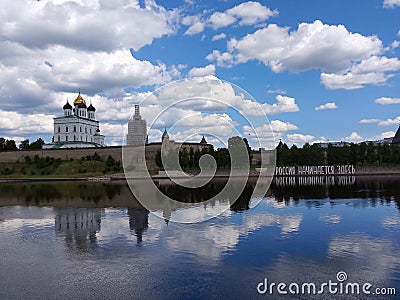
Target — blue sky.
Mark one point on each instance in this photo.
(340, 56)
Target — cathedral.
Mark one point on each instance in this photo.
(78, 128)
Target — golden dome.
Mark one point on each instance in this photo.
(79, 100)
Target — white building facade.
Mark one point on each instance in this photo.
(78, 128)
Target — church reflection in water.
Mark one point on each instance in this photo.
(138, 222)
(78, 226)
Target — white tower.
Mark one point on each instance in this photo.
(137, 130)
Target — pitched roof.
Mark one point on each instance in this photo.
(396, 139)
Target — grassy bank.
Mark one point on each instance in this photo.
(47, 167)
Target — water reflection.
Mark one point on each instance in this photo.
(138, 222)
(79, 227)
(383, 189)
(96, 237)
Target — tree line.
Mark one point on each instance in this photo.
(189, 158)
(362, 154)
(10, 145)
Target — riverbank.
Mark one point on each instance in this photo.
(359, 171)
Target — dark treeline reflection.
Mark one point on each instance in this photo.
(117, 194)
(375, 188)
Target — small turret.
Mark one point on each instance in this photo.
(91, 111)
(67, 109)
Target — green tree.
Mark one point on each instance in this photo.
(38, 144)
(10, 145)
(24, 145)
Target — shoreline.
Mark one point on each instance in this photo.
(121, 177)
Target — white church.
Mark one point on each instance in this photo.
(78, 128)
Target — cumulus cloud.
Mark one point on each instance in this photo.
(219, 37)
(329, 105)
(244, 14)
(79, 24)
(281, 126)
(28, 76)
(21, 125)
(395, 44)
(390, 122)
(195, 24)
(386, 100)
(298, 138)
(391, 3)
(354, 137)
(302, 49)
(248, 13)
(347, 60)
(207, 70)
(387, 134)
(375, 70)
(283, 104)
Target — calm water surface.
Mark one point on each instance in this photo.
(95, 241)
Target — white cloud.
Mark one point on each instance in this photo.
(346, 60)
(350, 81)
(329, 105)
(268, 133)
(83, 25)
(391, 3)
(280, 126)
(24, 125)
(387, 134)
(219, 37)
(283, 104)
(198, 72)
(244, 14)
(390, 122)
(49, 49)
(330, 48)
(373, 70)
(195, 24)
(247, 13)
(354, 137)
(386, 100)
(250, 13)
(395, 44)
(27, 76)
(369, 121)
(298, 138)
(219, 19)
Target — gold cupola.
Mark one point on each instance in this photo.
(79, 99)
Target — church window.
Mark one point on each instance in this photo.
(80, 128)
(74, 128)
(58, 128)
(85, 129)
(66, 138)
(58, 138)
(66, 129)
